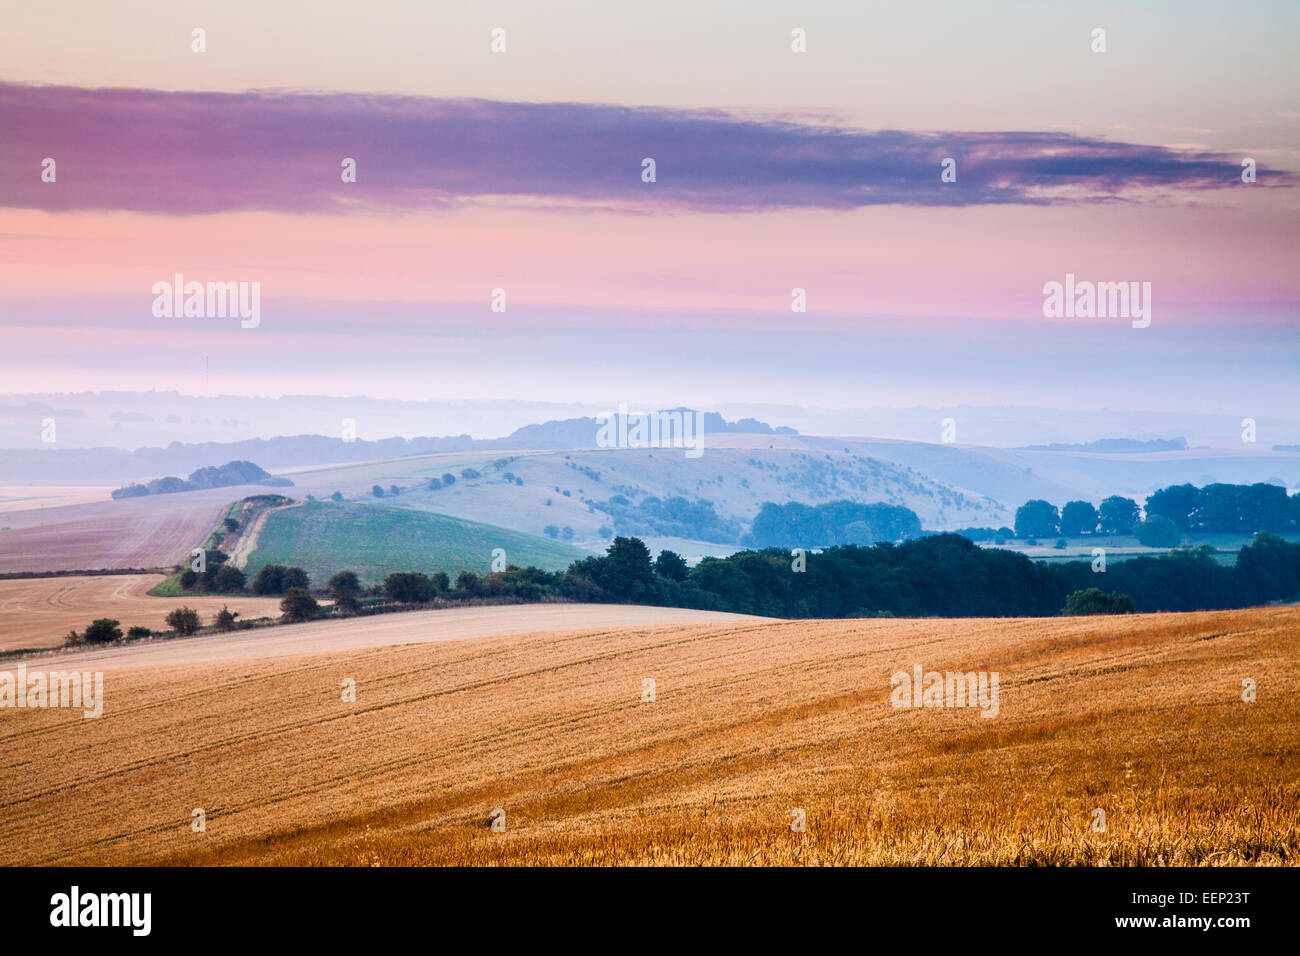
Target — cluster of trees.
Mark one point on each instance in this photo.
(217, 575)
(277, 579)
(1223, 507)
(798, 525)
(1170, 512)
(1040, 519)
(231, 473)
(674, 517)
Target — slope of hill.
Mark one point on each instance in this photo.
(603, 492)
(374, 541)
(1140, 717)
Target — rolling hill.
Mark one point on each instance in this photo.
(374, 541)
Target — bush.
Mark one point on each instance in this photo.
(337, 496)
(377, 491)
(189, 578)
(1096, 601)
(435, 484)
(229, 578)
(551, 531)
(225, 619)
(184, 621)
(231, 524)
(469, 473)
(138, 632)
(298, 605)
(102, 630)
(1061, 544)
(448, 479)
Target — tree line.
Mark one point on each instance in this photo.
(944, 575)
(1179, 509)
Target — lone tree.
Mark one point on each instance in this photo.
(184, 621)
(298, 605)
(1097, 601)
(1118, 515)
(377, 491)
(102, 630)
(671, 565)
(1158, 532)
(1078, 517)
(337, 496)
(343, 588)
(1037, 519)
(229, 578)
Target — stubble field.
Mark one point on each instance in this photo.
(1140, 717)
(39, 612)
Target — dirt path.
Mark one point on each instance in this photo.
(247, 542)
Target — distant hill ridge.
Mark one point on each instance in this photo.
(1124, 446)
(294, 451)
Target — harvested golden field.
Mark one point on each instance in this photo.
(39, 612)
(1141, 717)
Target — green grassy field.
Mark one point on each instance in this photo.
(1121, 547)
(374, 541)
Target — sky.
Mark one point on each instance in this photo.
(775, 170)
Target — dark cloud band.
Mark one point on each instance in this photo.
(188, 153)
